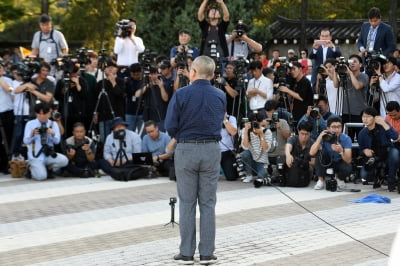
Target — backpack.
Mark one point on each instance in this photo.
(129, 172)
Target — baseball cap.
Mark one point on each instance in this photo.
(291, 51)
(44, 18)
(118, 121)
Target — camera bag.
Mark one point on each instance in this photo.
(129, 172)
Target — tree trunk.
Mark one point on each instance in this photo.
(393, 18)
(45, 7)
(303, 19)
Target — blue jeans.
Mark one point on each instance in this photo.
(20, 121)
(251, 166)
(392, 164)
(105, 129)
(134, 122)
(197, 173)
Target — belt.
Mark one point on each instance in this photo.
(200, 141)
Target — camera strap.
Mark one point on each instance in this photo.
(34, 144)
(50, 38)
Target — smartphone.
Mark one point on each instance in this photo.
(321, 42)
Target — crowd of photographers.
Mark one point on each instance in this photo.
(284, 118)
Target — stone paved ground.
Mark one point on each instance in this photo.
(98, 221)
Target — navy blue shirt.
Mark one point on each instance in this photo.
(196, 112)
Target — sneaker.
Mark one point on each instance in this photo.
(248, 179)
(186, 260)
(320, 185)
(341, 185)
(205, 260)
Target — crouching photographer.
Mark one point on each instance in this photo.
(121, 143)
(40, 135)
(298, 159)
(256, 141)
(375, 143)
(332, 149)
(81, 151)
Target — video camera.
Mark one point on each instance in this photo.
(146, 60)
(82, 57)
(125, 27)
(27, 68)
(341, 66)
(181, 59)
(373, 60)
(281, 67)
(274, 119)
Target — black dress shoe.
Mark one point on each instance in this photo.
(186, 260)
(205, 260)
(392, 187)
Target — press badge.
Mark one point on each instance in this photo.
(70, 99)
(49, 50)
(133, 99)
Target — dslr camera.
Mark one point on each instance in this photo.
(274, 119)
(240, 28)
(330, 137)
(125, 27)
(315, 111)
(119, 134)
(78, 145)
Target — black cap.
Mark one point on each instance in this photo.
(44, 18)
(118, 121)
(165, 64)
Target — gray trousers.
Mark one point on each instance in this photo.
(197, 173)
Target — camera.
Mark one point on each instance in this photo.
(331, 182)
(26, 69)
(119, 134)
(371, 162)
(341, 66)
(78, 145)
(125, 27)
(146, 60)
(240, 28)
(82, 57)
(315, 111)
(274, 119)
(372, 61)
(282, 70)
(172, 200)
(330, 137)
(320, 69)
(239, 166)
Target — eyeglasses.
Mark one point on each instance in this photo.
(336, 127)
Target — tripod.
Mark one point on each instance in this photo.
(121, 154)
(172, 202)
(102, 64)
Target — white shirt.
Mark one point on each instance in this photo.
(332, 94)
(390, 87)
(226, 142)
(263, 84)
(6, 102)
(21, 101)
(127, 51)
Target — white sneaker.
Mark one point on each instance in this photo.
(341, 185)
(248, 179)
(319, 185)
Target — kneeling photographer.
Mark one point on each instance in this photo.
(256, 141)
(40, 135)
(375, 143)
(81, 151)
(332, 149)
(298, 159)
(121, 143)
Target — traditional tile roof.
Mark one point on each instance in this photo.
(341, 29)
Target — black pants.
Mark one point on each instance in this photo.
(227, 161)
(6, 127)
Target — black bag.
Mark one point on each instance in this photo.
(129, 172)
(297, 177)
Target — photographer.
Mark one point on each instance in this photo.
(298, 159)
(72, 94)
(317, 115)
(334, 150)
(127, 46)
(375, 143)
(121, 143)
(387, 86)
(328, 84)
(40, 135)
(240, 44)
(156, 142)
(301, 93)
(134, 106)
(260, 89)
(226, 144)
(184, 49)
(228, 84)
(256, 142)
(280, 131)
(38, 89)
(213, 31)
(81, 151)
